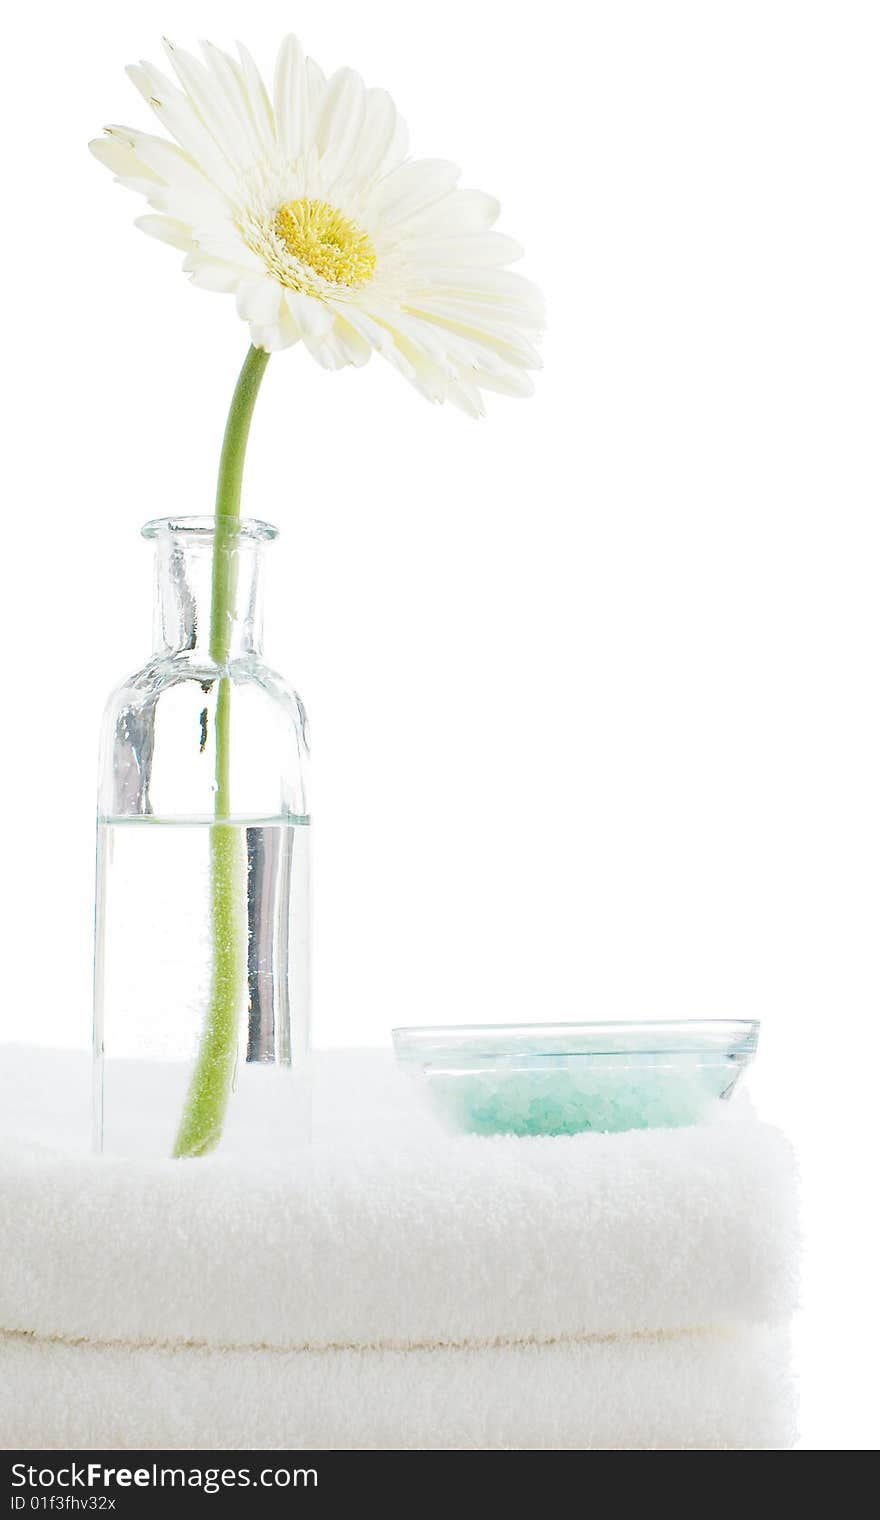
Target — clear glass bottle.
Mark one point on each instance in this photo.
(202, 914)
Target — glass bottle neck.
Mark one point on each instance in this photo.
(184, 592)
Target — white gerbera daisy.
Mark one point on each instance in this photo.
(304, 205)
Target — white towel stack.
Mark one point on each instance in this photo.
(392, 1287)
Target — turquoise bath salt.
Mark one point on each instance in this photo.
(565, 1102)
(564, 1079)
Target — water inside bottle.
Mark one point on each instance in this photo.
(155, 950)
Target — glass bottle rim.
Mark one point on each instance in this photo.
(203, 528)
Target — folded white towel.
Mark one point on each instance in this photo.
(692, 1391)
(387, 1233)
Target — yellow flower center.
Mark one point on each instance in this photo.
(330, 243)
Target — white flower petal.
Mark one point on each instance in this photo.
(176, 113)
(167, 230)
(398, 360)
(221, 241)
(505, 322)
(457, 215)
(169, 164)
(371, 331)
(356, 349)
(491, 285)
(481, 250)
(340, 120)
(429, 379)
(208, 101)
(410, 189)
(259, 299)
(276, 335)
(227, 73)
(415, 351)
(398, 149)
(377, 137)
(508, 382)
(401, 323)
(212, 274)
(327, 351)
(258, 99)
(116, 152)
(155, 193)
(188, 205)
(467, 398)
(298, 83)
(479, 330)
(312, 317)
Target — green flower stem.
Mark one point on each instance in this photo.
(202, 1123)
(228, 507)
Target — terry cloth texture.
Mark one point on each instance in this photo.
(390, 1277)
(701, 1390)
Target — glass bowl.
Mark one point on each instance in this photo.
(561, 1079)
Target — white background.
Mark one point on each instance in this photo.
(593, 684)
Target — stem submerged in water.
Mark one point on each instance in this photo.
(202, 1123)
